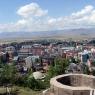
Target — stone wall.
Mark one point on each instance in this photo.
(77, 84)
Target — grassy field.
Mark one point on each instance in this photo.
(21, 91)
(27, 91)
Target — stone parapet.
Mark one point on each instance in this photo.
(73, 84)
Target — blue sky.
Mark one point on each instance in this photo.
(54, 14)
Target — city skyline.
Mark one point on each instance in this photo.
(40, 15)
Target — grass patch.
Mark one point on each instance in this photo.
(20, 91)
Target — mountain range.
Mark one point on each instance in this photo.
(60, 34)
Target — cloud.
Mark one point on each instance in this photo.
(32, 9)
(34, 18)
(86, 11)
(82, 18)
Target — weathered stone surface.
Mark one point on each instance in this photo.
(84, 92)
(77, 84)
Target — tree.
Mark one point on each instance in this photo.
(8, 74)
(35, 84)
(59, 67)
(51, 72)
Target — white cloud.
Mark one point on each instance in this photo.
(82, 18)
(52, 21)
(34, 18)
(32, 9)
(87, 10)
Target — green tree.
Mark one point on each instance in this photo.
(8, 74)
(59, 67)
(35, 84)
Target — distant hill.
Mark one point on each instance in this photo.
(60, 34)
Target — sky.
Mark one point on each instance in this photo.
(46, 15)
